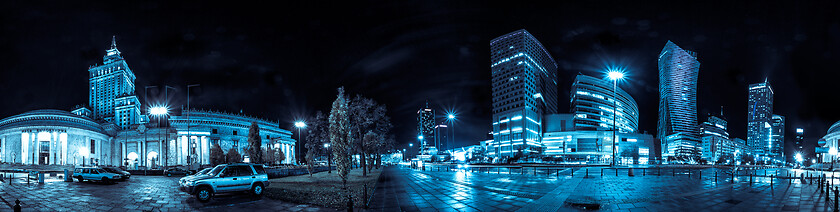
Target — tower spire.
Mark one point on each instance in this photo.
(721, 111)
(114, 42)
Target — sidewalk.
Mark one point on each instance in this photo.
(412, 190)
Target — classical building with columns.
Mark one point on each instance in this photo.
(112, 130)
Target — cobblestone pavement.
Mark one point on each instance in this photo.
(403, 189)
(140, 193)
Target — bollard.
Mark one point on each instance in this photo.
(765, 172)
(573, 172)
(40, 178)
(602, 172)
(644, 172)
(673, 172)
(689, 173)
(17, 205)
(616, 172)
(771, 181)
(715, 176)
(700, 174)
(587, 172)
(535, 171)
(750, 179)
(658, 171)
(836, 199)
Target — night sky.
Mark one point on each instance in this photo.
(284, 62)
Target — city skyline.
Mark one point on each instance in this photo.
(620, 39)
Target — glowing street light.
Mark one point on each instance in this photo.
(451, 118)
(614, 76)
(412, 144)
(329, 158)
(299, 125)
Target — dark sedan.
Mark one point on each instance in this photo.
(124, 175)
(175, 171)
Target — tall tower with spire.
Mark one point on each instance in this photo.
(111, 90)
(426, 126)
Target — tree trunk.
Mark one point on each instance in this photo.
(363, 161)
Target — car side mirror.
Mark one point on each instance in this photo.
(221, 174)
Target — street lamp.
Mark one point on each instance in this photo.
(159, 111)
(451, 118)
(329, 158)
(614, 76)
(299, 125)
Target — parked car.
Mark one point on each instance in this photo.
(228, 178)
(124, 175)
(94, 174)
(199, 173)
(175, 171)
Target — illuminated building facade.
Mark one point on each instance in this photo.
(717, 145)
(110, 132)
(761, 121)
(111, 90)
(524, 89)
(799, 140)
(830, 141)
(426, 126)
(593, 102)
(677, 127)
(776, 147)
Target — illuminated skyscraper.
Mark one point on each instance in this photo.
(592, 104)
(777, 138)
(677, 127)
(799, 140)
(759, 115)
(524, 84)
(112, 97)
(426, 126)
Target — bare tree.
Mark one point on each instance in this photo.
(315, 139)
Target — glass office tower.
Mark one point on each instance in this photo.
(524, 85)
(677, 127)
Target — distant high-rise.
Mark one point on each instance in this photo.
(112, 97)
(677, 127)
(759, 117)
(776, 148)
(592, 104)
(426, 126)
(524, 85)
(799, 140)
(715, 138)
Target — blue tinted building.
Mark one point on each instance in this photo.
(593, 102)
(677, 127)
(524, 85)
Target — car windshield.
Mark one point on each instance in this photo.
(203, 171)
(216, 170)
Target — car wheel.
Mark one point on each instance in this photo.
(203, 194)
(80, 179)
(104, 180)
(258, 190)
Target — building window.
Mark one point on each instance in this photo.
(92, 146)
(234, 132)
(215, 131)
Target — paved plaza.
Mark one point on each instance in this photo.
(140, 193)
(403, 189)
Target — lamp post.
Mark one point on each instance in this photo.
(300, 125)
(451, 118)
(189, 136)
(329, 158)
(614, 76)
(159, 111)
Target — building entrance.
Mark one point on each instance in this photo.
(44, 154)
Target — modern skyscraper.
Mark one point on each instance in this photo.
(112, 97)
(759, 115)
(592, 104)
(524, 84)
(777, 138)
(799, 140)
(426, 126)
(677, 127)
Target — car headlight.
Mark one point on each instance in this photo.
(189, 183)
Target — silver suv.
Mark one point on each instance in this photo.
(94, 174)
(228, 178)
